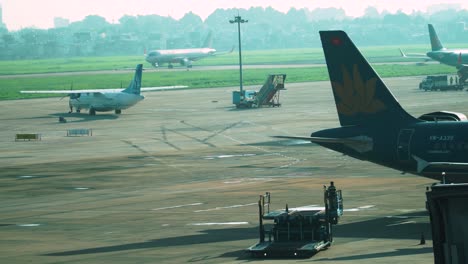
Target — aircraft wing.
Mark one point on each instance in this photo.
(164, 88)
(161, 88)
(73, 91)
(423, 165)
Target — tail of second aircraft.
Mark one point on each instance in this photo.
(135, 85)
(361, 97)
(435, 41)
(209, 40)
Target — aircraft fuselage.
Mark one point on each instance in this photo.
(104, 101)
(181, 56)
(450, 57)
(401, 147)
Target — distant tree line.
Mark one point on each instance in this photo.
(267, 28)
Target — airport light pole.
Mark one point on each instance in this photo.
(238, 19)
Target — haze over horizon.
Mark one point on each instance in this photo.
(18, 14)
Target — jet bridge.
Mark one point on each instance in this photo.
(297, 232)
(268, 95)
(448, 207)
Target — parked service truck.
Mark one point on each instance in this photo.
(441, 82)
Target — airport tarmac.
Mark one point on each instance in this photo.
(176, 179)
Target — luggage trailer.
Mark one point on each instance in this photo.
(299, 232)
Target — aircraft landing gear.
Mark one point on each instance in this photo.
(170, 66)
(92, 112)
(118, 111)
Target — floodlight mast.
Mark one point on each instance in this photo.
(238, 19)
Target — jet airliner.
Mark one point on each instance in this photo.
(103, 100)
(375, 127)
(452, 57)
(184, 57)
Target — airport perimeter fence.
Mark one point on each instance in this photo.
(79, 132)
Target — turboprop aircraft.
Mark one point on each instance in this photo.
(102, 100)
(374, 126)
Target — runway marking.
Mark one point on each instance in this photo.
(177, 206)
(402, 223)
(27, 177)
(248, 180)
(193, 138)
(154, 157)
(225, 207)
(292, 162)
(359, 208)
(228, 156)
(233, 182)
(220, 131)
(28, 225)
(226, 223)
(405, 217)
(81, 188)
(397, 217)
(366, 206)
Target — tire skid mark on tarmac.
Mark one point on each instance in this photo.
(220, 131)
(174, 166)
(292, 160)
(190, 137)
(214, 133)
(164, 139)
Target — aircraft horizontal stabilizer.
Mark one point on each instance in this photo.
(359, 143)
(423, 165)
(218, 53)
(329, 140)
(413, 55)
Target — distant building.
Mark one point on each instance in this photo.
(60, 22)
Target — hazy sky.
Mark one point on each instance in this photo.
(18, 14)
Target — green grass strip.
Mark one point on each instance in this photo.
(10, 87)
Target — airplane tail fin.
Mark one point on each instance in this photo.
(361, 96)
(209, 40)
(135, 85)
(435, 41)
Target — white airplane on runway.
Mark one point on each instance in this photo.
(103, 100)
(184, 57)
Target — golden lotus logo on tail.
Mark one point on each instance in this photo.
(356, 96)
